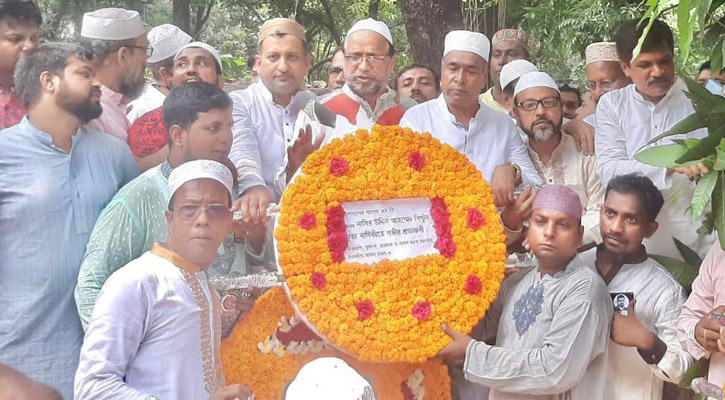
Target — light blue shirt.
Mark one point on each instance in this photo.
(49, 202)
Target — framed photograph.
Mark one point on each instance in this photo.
(621, 300)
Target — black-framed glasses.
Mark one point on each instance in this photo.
(531, 105)
(215, 212)
(149, 49)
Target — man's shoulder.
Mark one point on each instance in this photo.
(140, 272)
(421, 109)
(108, 141)
(585, 281)
(616, 97)
(149, 186)
(657, 274)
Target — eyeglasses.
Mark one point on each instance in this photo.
(531, 105)
(605, 85)
(215, 212)
(355, 59)
(149, 49)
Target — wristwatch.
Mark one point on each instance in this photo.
(518, 171)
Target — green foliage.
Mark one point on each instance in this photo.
(662, 156)
(234, 68)
(685, 271)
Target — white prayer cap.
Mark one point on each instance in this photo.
(535, 79)
(329, 378)
(369, 24)
(472, 42)
(199, 169)
(112, 24)
(201, 45)
(601, 51)
(166, 40)
(513, 70)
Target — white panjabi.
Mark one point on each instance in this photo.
(514, 70)
(535, 79)
(166, 40)
(112, 24)
(199, 169)
(370, 24)
(472, 42)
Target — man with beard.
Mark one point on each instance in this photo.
(628, 118)
(120, 49)
(336, 78)
(57, 175)
(418, 82)
(604, 74)
(457, 117)
(20, 22)
(193, 62)
(199, 119)
(538, 110)
(507, 45)
(645, 350)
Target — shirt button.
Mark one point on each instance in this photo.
(286, 123)
(551, 180)
(289, 140)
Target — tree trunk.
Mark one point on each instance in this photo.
(181, 14)
(373, 9)
(426, 23)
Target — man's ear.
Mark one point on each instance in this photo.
(169, 218)
(625, 68)
(176, 133)
(166, 74)
(49, 81)
(581, 236)
(651, 229)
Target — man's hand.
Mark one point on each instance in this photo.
(707, 331)
(244, 304)
(691, 170)
(253, 204)
(254, 234)
(456, 350)
(503, 182)
(302, 147)
(233, 392)
(514, 214)
(583, 135)
(627, 331)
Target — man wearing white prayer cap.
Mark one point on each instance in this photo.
(151, 333)
(538, 111)
(166, 40)
(510, 74)
(457, 117)
(117, 38)
(329, 378)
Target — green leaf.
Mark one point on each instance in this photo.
(697, 370)
(708, 225)
(700, 198)
(683, 272)
(689, 255)
(704, 148)
(702, 6)
(689, 124)
(661, 156)
(716, 58)
(718, 207)
(686, 26)
(720, 161)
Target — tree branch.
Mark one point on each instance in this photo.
(331, 22)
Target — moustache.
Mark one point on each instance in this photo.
(614, 236)
(544, 121)
(658, 81)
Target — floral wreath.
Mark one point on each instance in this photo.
(393, 310)
(267, 348)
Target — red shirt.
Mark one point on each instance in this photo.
(147, 134)
(12, 109)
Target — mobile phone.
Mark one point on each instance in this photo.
(714, 87)
(621, 300)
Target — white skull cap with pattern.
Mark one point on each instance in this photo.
(535, 79)
(329, 378)
(166, 40)
(601, 51)
(513, 70)
(201, 45)
(199, 169)
(472, 42)
(112, 24)
(369, 24)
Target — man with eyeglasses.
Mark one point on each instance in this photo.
(117, 38)
(538, 110)
(457, 117)
(199, 119)
(507, 45)
(155, 331)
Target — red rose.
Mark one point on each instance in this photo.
(338, 166)
(445, 246)
(443, 229)
(365, 309)
(421, 310)
(318, 279)
(337, 256)
(416, 160)
(474, 219)
(308, 221)
(335, 219)
(337, 241)
(473, 284)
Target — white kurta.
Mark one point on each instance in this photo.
(625, 122)
(150, 100)
(552, 334)
(155, 331)
(659, 301)
(491, 139)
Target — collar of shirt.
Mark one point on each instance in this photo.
(267, 95)
(443, 106)
(573, 265)
(116, 97)
(176, 259)
(44, 137)
(678, 89)
(556, 154)
(385, 101)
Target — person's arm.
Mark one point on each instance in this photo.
(675, 361)
(518, 154)
(595, 198)
(698, 305)
(116, 239)
(245, 147)
(114, 335)
(610, 144)
(578, 333)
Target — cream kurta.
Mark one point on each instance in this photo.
(552, 334)
(575, 170)
(659, 301)
(155, 331)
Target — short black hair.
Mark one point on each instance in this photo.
(436, 77)
(251, 61)
(155, 68)
(102, 48)
(571, 88)
(51, 57)
(650, 197)
(659, 38)
(184, 103)
(24, 11)
(704, 66)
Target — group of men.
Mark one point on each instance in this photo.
(105, 273)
